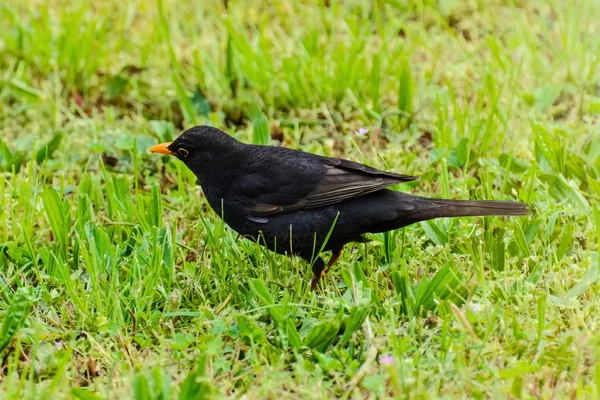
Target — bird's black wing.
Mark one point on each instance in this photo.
(288, 181)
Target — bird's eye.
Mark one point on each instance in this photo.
(183, 152)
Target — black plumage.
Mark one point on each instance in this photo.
(289, 200)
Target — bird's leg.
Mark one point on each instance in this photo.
(334, 257)
(319, 270)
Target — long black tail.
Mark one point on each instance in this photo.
(439, 208)
(386, 210)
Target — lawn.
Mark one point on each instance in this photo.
(118, 281)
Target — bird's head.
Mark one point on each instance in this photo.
(199, 141)
(204, 150)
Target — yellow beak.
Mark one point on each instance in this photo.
(162, 148)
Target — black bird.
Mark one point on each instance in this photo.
(289, 200)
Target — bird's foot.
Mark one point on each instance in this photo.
(320, 270)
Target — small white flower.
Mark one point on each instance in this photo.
(362, 131)
(386, 360)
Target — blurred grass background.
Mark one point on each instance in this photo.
(117, 281)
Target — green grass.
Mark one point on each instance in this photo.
(118, 281)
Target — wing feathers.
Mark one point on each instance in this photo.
(330, 181)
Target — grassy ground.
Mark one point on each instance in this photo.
(117, 281)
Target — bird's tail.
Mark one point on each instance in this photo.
(439, 208)
(386, 210)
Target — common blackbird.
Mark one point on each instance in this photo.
(290, 201)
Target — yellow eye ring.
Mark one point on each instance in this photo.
(183, 152)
